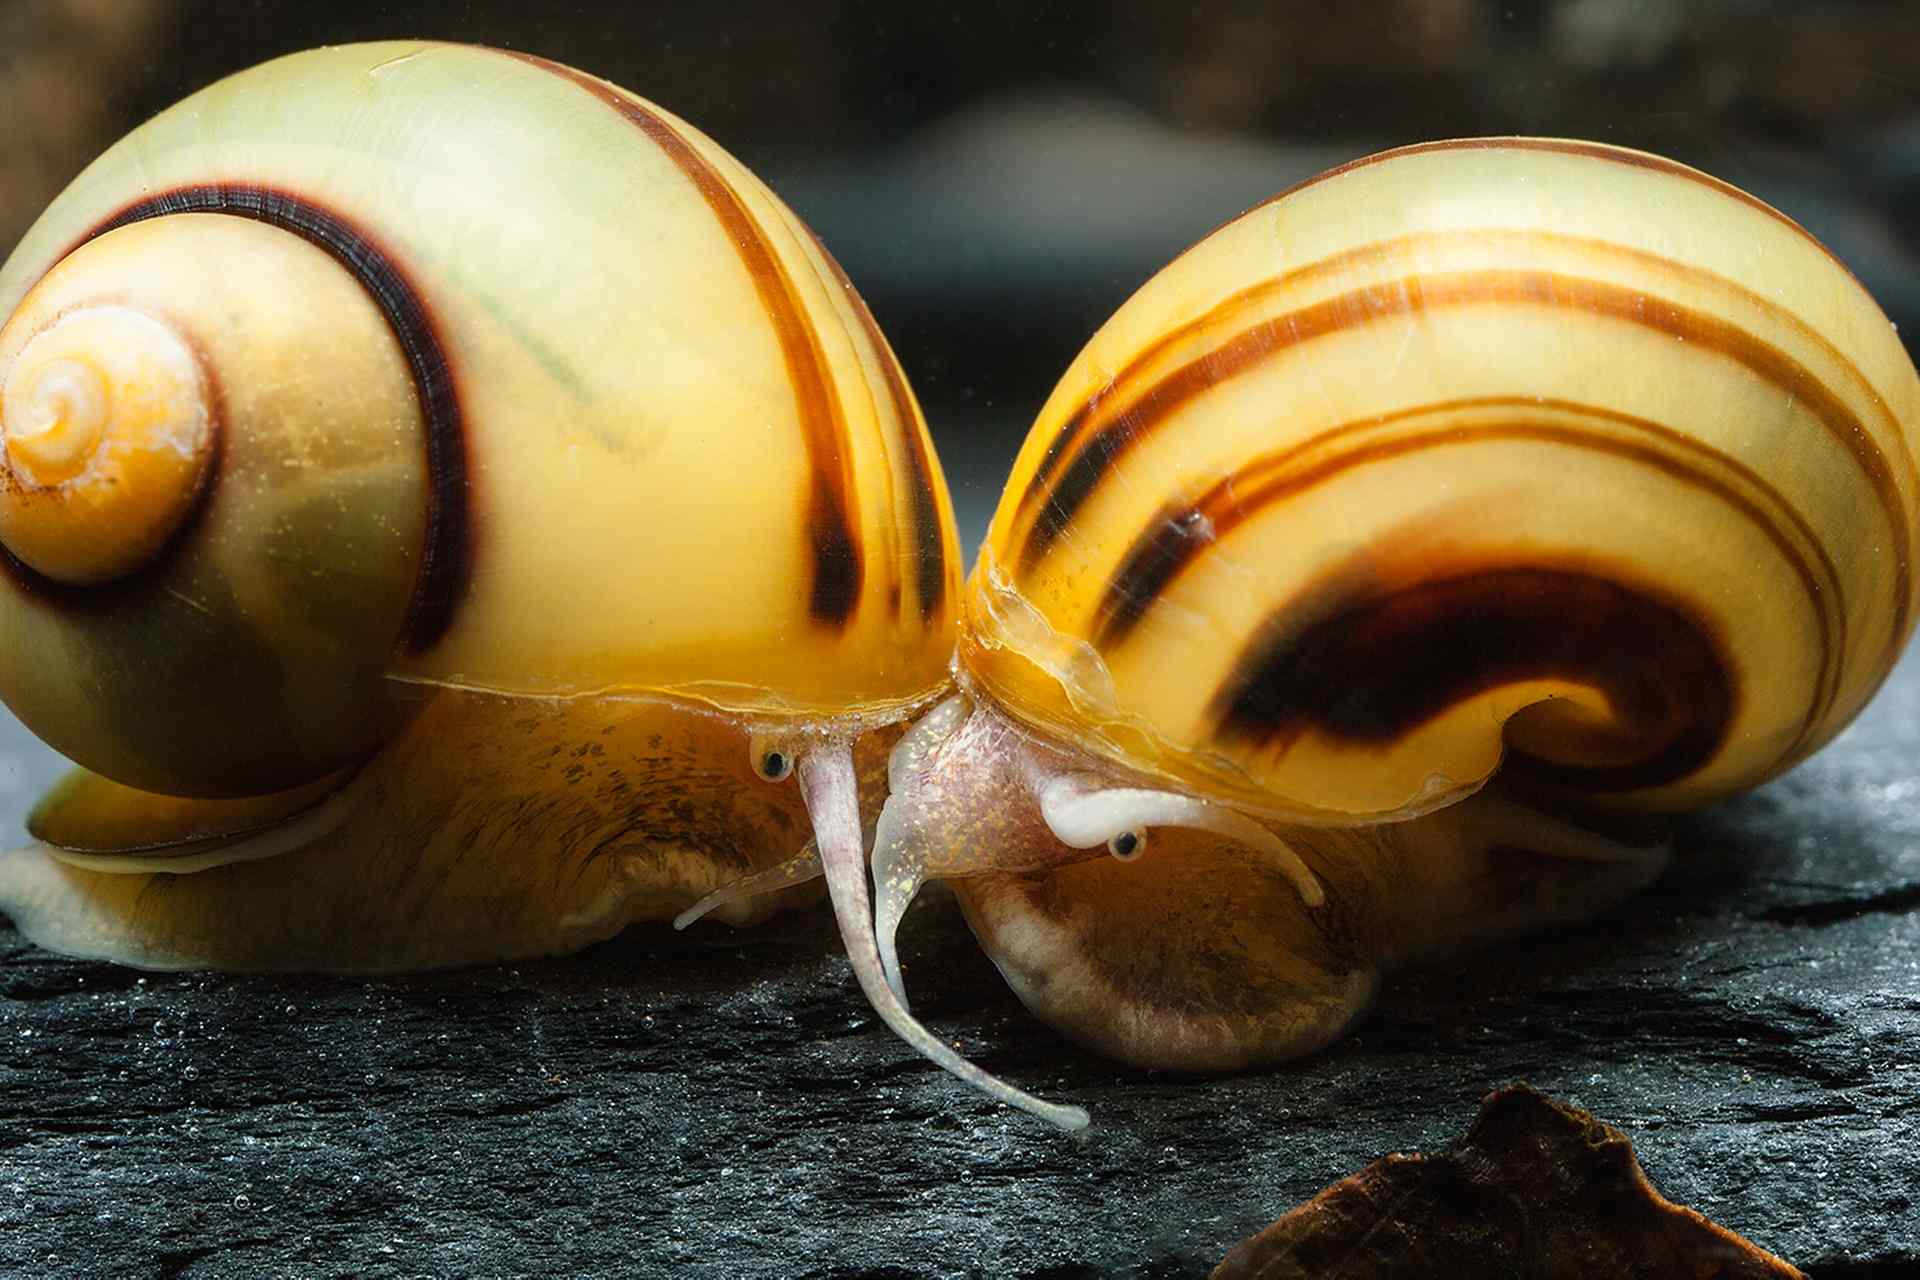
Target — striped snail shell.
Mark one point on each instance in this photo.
(445, 498)
(1381, 556)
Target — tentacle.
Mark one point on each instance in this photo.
(910, 754)
(899, 869)
(827, 783)
(799, 869)
(1498, 820)
(1083, 815)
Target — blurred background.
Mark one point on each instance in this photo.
(997, 177)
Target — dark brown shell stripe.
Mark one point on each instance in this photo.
(918, 513)
(1090, 440)
(1169, 545)
(1378, 668)
(923, 511)
(446, 556)
(813, 267)
(838, 560)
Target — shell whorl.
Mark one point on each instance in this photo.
(1498, 447)
(647, 400)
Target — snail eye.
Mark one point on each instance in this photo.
(1128, 845)
(774, 766)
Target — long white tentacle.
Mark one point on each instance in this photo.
(899, 869)
(827, 783)
(1082, 815)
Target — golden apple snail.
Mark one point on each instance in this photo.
(445, 498)
(1376, 569)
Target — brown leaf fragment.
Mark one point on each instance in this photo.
(1535, 1189)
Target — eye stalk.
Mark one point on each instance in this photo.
(1084, 813)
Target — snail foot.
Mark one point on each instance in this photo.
(1207, 960)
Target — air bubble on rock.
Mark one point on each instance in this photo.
(190, 1072)
(243, 1201)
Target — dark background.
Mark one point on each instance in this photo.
(996, 179)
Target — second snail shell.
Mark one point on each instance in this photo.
(1656, 439)
(1377, 570)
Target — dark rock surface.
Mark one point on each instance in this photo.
(724, 1105)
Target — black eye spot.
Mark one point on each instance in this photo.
(1127, 845)
(775, 766)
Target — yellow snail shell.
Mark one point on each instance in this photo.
(445, 498)
(1379, 553)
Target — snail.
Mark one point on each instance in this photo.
(450, 509)
(1383, 569)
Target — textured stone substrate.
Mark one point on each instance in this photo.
(724, 1105)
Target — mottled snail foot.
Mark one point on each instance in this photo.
(494, 828)
(828, 784)
(799, 869)
(1201, 957)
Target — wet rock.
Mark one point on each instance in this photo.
(724, 1105)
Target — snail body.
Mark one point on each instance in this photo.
(448, 503)
(1382, 567)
